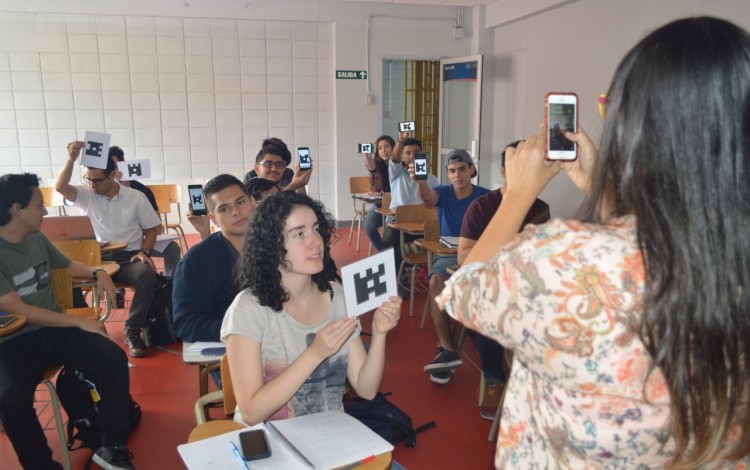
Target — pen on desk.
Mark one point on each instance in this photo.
(357, 464)
(236, 453)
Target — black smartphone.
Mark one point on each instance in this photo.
(303, 157)
(197, 200)
(254, 445)
(407, 126)
(6, 320)
(364, 148)
(420, 166)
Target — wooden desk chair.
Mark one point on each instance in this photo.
(205, 428)
(53, 200)
(384, 204)
(166, 195)
(357, 185)
(62, 289)
(87, 252)
(411, 255)
(432, 233)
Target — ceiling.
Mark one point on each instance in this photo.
(463, 3)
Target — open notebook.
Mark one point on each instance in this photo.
(326, 440)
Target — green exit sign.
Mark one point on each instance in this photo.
(351, 75)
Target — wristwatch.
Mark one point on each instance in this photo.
(147, 251)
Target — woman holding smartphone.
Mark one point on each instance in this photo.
(630, 327)
(377, 165)
(290, 343)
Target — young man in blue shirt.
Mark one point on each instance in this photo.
(452, 201)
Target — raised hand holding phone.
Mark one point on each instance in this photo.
(197, 201)
(303, 158)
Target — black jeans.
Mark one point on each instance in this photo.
(23, 361)
(143, 280)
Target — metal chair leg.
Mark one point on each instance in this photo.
(55, 401)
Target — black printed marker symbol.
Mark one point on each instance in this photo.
(371, 283)
(94, 149)
(134, 169)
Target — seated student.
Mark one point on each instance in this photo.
(118, 213)
(50, 338)
(290, 344)
(204, 284)
(286, 155)
(476, 219)
(451, 201)
(403, 190)
(377, 165)
(171, 253)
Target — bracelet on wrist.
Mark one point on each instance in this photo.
(98, 270)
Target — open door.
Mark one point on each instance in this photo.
(460, 108)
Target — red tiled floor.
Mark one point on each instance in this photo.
(167, 389)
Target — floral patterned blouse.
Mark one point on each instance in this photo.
(567, 298)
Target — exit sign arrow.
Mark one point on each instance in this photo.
(351, 74)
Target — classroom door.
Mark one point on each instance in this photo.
(460, 108)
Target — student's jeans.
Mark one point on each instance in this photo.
(172, 255)
(373, 220)
(491, 359)
(23, 361)
(143, 279)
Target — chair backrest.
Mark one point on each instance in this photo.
(166, 195)
(359, 184)
(432, 230)
(62, 287)
(68, 227)
(416, 213)
(87, 252)
(386, 201)
(230, 402)
(53, 200)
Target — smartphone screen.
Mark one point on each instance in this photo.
(303, 156)
(561, 112)
(364, 148)
(407, 126)
(6, 320)
(197, 201)
(420, 166)
(254, 445)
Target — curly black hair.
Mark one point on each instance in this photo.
(263, 251)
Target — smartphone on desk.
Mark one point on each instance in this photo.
(420, 167)
(560, 116)
(197, 200)
(254, 445)
(303, 157)
(6, 320)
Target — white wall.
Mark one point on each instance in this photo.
(598, 34)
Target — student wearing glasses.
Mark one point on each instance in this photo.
(271, 164)
(122, 214)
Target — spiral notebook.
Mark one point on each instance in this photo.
(318, 441)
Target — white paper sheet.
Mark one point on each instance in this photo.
(369, 282)
(95, 152)
(134, 170)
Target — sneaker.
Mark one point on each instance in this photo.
(441, 377)
(134, 342)
(493, 391)
(445, 361)
(113, 458)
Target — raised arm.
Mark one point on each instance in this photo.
(428, 195)
(62, 185)
(399, 147)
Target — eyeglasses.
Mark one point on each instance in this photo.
(95, 181)
(270, 164)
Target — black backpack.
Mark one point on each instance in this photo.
(77, 394)
(385, 418)
(160, 330)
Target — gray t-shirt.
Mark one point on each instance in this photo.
(282, 340)
(24, 268)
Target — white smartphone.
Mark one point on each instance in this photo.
(303, 157)
(561, 115)
(407, 126)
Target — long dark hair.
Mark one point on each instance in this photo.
(381, 166)
(263, 251)
(674, 153)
